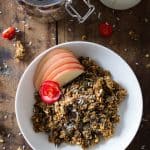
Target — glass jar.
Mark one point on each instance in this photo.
(53, 10)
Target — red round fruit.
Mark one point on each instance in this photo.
(105, 29)
(50, 92)
(9, 33)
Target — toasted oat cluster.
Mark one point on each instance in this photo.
(87, 111)
(20, 51)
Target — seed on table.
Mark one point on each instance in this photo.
(125, 49)
(118, 19)
(69, 29)
(147, 55)
(99, 15)
(148, 66)
(137, 63)
(5, 117)
(84, 37)
(114, 26)
(19, 133)
(1, 140)
(30, 43)
(23, 147)
(146, 20)
(19, 148)
(8, 135)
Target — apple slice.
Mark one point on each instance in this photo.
(57, 64)
(63, 68)
(47, 64)
(56, 71)
(67, 76)
(47, 57)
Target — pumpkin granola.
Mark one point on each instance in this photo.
(87, 111)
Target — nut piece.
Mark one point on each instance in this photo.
(1, 139)
(20, 51)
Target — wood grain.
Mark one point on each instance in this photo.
(37, 37)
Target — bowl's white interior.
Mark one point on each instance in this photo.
(130, 109)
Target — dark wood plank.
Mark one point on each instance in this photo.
(36, 37)
(135, 52)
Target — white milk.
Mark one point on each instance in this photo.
(120, 4)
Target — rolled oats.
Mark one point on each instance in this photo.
(87, 111)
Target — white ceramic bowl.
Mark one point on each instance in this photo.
(130, 109)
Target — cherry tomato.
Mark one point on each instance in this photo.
(105, 29)
(9, 33)
(50, 92)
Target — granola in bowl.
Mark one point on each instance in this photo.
(87, 111)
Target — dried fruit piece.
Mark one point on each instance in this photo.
(9, 33)
(105, 29)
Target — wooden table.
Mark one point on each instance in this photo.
(130, 39)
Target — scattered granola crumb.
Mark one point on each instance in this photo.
(23, 147)
(23, 22)
(142, 126)
(84, 37)
(30, 43)
(4, 148)
(19, 148)
(147, 55)
(19, 133)
(53, 38)
(133, 35)
(148, 66)
(8, 135)
(137, 63)
(111, 42)
(99, 15)
(5, 65)
(114, 26)
(142, 147)
(146, 20)
(71, 20)
(145, 120)
(117, 18)
(29, 17)
(26, 24)
(20, 8)
(5, 117)
(69, 29)
(17, 30)
(14, 44)
(0, 12)
(20, 51)
(1, 140)
(125, 49)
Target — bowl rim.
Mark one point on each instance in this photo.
(77, 42)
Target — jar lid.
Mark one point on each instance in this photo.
(42, 3)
